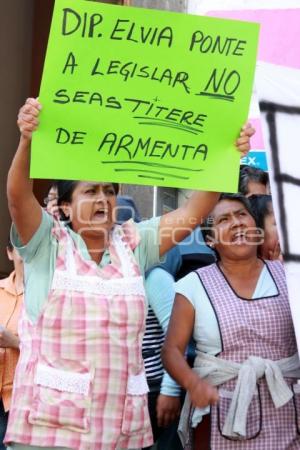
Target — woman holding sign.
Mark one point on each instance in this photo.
(80, 382)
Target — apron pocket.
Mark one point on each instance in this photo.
(136, 414)
(296, 400)
(254, 416)
(62, 395)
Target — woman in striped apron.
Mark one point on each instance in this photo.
(80, 383)
(242, 392)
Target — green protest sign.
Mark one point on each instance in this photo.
(141, 96)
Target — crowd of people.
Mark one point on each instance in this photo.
(126, 337)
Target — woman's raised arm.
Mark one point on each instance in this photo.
(25, 210)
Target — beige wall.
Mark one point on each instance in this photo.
(15, 67)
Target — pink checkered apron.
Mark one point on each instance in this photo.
(262, 327)
(80, 382)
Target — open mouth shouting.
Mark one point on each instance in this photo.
(101, 215)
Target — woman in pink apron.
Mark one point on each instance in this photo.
(80, 382)
(242, 392)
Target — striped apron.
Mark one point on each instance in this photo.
(261, 327)
(80, 382)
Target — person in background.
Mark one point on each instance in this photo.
(242, 393)
(253, 181)
(262, 208)
(164, 393)
(51, 200)
(11, 299)
(127, 209)
(80, 381)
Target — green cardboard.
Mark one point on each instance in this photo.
(140, 96)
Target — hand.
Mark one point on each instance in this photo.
(276, 253)
(167, 409)
(202, 393)
(28, 117)
(8, 339)
(243, 142)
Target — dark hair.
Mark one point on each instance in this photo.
(208, 223)
(261, 206)
(247, 174)
(65, 189)
(53, 185)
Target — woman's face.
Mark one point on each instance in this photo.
(271, 238)
(92, 207)
(235, 232)
(256, 188)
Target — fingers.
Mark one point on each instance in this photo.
(31, 107)
(203, 394)
(243, 142)
(165, 419)
(28, 117)
(33, 102)
(26, 126)
(167, 409)
(247, 130)
(244, 148)
(212, 395)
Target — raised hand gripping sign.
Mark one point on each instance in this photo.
(142, 96)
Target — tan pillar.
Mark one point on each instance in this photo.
(15, 73)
